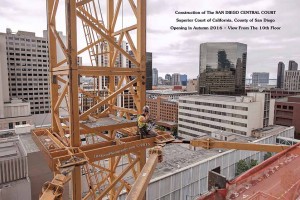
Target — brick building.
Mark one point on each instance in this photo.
(163, 109)
(287, 113)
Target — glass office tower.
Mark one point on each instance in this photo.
(222, 68)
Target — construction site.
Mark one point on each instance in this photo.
(99, 153)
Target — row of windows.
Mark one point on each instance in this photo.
(29, 79)
(203, 124)
(36, 98)
(24, 55)
(215, 105)
(40, 112)
(11, 124)
(27, 40)
(21, 94)
(23, 49)
(28, 44)
(11, 65)
(29, 54)
(214, 119)
(214, 112)
(28, 84)
(192, 128)
(208, 125)
(211, 126)
(24, 59)
(285, 107)
(28, 74)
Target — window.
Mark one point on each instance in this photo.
(10, 125)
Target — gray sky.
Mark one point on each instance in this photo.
(178, 51)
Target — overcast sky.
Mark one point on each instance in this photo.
(178, 51)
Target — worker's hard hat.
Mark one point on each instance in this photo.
(146, 109)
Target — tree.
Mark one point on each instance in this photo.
(242, 166)
(175, 132)
(267, 155)
(253, 163)
(161, 128)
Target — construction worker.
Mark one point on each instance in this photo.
(143, 119)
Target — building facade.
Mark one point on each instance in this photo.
(280, 75)
(163, 109)
(287, 112)
(168, 79)
(292, 80)
(293, 66)
(280, 93)
(222, 68)
(149, 71)
(13, 111)
(208, 113)
(28, 65)
(192, 85)
(260, 78)
(183, 79)
(176, 79)
(154, 77)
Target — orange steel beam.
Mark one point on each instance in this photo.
(211, 143)
(141, 183)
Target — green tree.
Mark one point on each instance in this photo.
(242, 166)
(161, 128)
(267, 155)
(253, 163)
(175, 132)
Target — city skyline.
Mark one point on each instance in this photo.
(177, 51)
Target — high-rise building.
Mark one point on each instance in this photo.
(149, 75)
(260, 78)
(183, 79)
(28, 65)
(292, 80)
(280, 75)
(160, 80)
(293, 65)
(155, 76)
(176, 79)
(222, 68)
(13, 111)
(149, 71)
(168, 79)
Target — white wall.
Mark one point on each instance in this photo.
(17, 109)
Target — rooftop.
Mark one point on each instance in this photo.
(223, 98)
(168, 92)
(177, 156)
(10, 148)
(289, 99)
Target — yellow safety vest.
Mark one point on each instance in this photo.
(140, 123)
